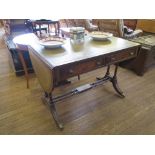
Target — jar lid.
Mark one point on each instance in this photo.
(77, 29)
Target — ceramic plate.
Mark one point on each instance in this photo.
(51, 42)
(100, 35)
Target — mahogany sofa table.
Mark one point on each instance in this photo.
(54, 65)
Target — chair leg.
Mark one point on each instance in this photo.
(24, 67)
(78, 77)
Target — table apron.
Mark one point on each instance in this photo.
(71, 70)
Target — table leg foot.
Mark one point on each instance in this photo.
(112, 79)
(116, 87)
(55, 115)
(47, 99)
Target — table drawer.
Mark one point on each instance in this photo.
(79, 68)
(120, 56)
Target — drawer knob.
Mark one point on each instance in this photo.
(113, 58)
(71, 71)
(131, 53)
(98, 63)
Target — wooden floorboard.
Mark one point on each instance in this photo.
(98, 111)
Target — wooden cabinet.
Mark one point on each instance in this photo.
(146, 56)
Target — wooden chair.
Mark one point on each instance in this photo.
(70, 22)
(147, 25)
(87, 24)
(116, 27)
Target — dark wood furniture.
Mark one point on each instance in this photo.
(54, 65)
(41, 25)
(146, 56)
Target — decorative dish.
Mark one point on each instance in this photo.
(96, 35)
(51, 42)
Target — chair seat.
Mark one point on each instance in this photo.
(134, 34)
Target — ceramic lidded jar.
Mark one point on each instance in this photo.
(77, 34)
